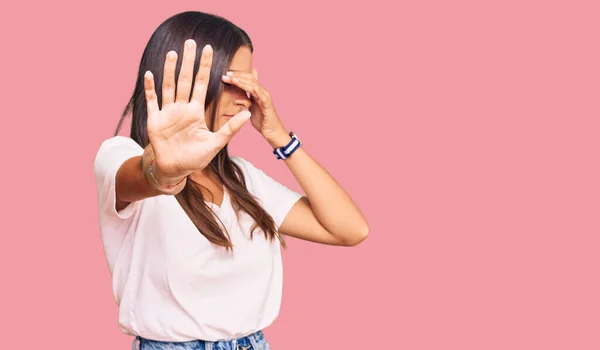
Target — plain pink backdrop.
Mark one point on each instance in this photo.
(467, 131)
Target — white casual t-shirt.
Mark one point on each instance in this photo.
(169, 281)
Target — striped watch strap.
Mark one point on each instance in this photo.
(287, 150)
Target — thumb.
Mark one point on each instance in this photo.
(232, 127)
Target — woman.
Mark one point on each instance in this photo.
(192, 235)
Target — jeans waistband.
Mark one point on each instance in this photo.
(254, 341)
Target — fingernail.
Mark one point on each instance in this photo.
(230, 74)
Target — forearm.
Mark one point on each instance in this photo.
(331, 204)
(132, 182)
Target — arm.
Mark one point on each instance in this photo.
(177, 131)
(327, 214)
(132, 183)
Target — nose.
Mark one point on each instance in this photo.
(242, 98)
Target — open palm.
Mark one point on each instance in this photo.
(180, 138)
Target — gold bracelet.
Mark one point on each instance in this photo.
(168, 187)
(147, 168)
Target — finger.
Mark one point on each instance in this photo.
(168, 86)
(251, 86)
(264, 97)
(150, 93)
(203, 76)
(229, 129)
(231, 77)
(244, 83)
(239, 74)
(184, 83)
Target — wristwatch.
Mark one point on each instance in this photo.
(287, 150)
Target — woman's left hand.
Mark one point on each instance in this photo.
(264, 117)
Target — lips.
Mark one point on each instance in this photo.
(229, 115)
(232, 115)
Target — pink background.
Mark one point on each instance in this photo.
(466, 130)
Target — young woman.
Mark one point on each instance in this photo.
(192, 235)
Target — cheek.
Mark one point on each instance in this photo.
(224, 102)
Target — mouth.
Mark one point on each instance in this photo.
(229, 116)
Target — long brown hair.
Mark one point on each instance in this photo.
(225, 39)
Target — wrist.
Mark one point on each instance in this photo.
(163, 183)
(279, 139)
(161, 177)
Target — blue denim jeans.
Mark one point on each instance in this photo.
(255, 341)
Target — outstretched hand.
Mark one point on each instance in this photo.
(180, 138)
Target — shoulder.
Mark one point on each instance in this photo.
(260, 180)
(111, 154)
(116, 150)
(251, 172)
(118, 143)
(245, 165)
(275, 197)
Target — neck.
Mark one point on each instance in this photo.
(203, 174)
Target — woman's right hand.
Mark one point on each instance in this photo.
(178, 134)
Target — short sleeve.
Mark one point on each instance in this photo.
(276, 198)
(111, 155)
